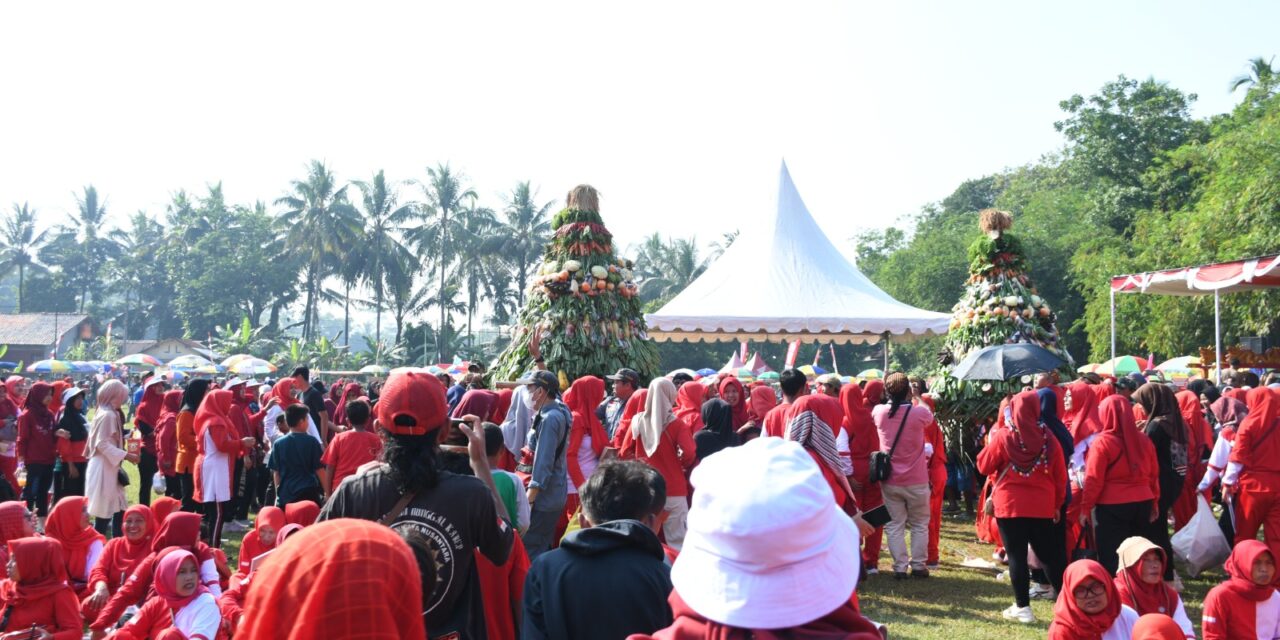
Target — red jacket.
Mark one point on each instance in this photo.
(667, 461)
(1121, 465)
(58, 613)
(1018, 496)
(35, 440)
(1257, 446)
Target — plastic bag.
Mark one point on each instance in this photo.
(158, 484)
(1200, 545)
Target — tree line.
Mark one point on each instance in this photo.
(1140, 185)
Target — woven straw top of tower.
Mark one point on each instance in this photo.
(994, 222)
(583, 197)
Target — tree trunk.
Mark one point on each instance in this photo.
(522, 275)
(311, 292)
(22, 276)
(377, 299)
(126, 314)
(346, 316)
(444, 257)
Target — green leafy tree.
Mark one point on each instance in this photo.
(20, 246)
(445, 194)
(383, 218)
(84, 247)
(524, 232)
(668, 266)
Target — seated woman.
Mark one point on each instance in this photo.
(180, 604)
(70, 525)
(262, 539)
(119, 558)
(1089, 607)
(36, 599)
(303, 513)
(231, 602)
(1246, 606)
(1140, 583)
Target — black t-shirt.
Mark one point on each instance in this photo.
(458, 516)
(314, 400)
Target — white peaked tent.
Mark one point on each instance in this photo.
(787, 281)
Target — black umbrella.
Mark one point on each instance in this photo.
(1005, 361)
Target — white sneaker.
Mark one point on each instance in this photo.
(1021, 614)
(233, 526)
(1041, 592)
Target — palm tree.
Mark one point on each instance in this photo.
(668, 266)
(79, 248)
(1261, 74)
(323, 225)
(383, 216)
(139, 249)
(445, 196)
(20, 244)
(525, 233)
(476, 246)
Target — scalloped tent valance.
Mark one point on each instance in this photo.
(787, 281)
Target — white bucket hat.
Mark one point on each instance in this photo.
(766, 548)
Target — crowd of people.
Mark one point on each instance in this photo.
(429, 507)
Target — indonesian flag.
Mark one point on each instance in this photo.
(792, 351)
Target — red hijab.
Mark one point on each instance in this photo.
(34, 403)
(762, 399)
(181, 529)
(64, 525)
(1069, 621)
(873, 394)
(1025, 441)
(128, 553)
(166, 578)
(41, 571)
(845, 623)
(820, 443)
(1083, 419)
(863, 437)
(740, 408)
(1239, 567)
(55, 405)
(13, 521)
(582, 398)
(1157, 626)
(1117, 422)
(9, 405)
(14, 385)
(339, 579)
(1142, 596)
(689, 405)
(151, 405)
(476, 402)
(303, 513)
(349, 393)
(1193, 416)
(283, 392)
(272, 517)
(163, 506)
(500, 408)
(622, 434)
(215, 414)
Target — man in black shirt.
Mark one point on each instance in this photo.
(456, 513)
(314, 399)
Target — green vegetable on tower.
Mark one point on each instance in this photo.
(583, 313)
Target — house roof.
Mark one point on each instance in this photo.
(37, 328)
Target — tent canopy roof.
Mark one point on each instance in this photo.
(785, 280)
(1251, 274)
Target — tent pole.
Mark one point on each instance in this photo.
(1113, 324)
(1217, 337)
(886, 353)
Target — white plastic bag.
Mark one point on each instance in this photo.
(1200, 545)
(158, 484)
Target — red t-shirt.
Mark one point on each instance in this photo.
(348, 451)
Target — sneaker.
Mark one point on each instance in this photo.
(899, 575)
(1021, 614)
(932, 566)
(234, 526)
(1041, 592)
(919, 573)
(872, 571)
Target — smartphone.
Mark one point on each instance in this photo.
(455, 435)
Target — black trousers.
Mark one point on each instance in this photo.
(1050, 547)
(39, 481)
(147, 467)
(187, 492)
(212, 522)
(1112, 523)
(64, 485)
(113, 526)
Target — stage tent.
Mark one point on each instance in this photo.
(781, 280)
(1252, 274)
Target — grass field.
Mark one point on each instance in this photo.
(230, 539)
(958, 603)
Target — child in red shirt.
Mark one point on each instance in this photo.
(352, 448)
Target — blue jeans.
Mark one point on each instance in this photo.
(39, 481)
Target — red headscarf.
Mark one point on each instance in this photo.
(635, 404)
(740, 408)
(163, 506)
(873, 393)
(64, 525)
(303, 513)
(861, 427)
(689, 405)
(166, 578)
(1025, 440)
(1103, 390)
(128, 553)
(55, 404)
(283, 392)
(1142, 596)
(1238, 393)
(41, 571)
(1069, 621)
(582, 398)
(341, 579)
(167, 427)
(13, 525)
(1193, 416)
(761, 401)
(1157, 626)
(820, 443)
(9, 405)
(845, 623)
(34, 403)
(272, 517)
(1117, 422)
(1083, 419)
(1239, 566)
(500, 408)
(151, 405)
(181, 529)
(14, 385)
(349, 393)
(476, 402)
(215, 414)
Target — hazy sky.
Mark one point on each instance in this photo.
(679, 112)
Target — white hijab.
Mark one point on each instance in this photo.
(515, 427)
(649, 425)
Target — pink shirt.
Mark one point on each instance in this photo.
(910, 464)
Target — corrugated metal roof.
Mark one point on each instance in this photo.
(36, 328)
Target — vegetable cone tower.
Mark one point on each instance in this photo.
(1000, 304)
(583, 313)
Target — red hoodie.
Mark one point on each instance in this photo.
(1256, 444)
(1122, 465)
(1024, 496)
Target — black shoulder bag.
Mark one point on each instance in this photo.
(882, 462)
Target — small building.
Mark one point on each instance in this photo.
(39, 336)
(166, 349)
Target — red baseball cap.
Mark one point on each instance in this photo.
(415, 394)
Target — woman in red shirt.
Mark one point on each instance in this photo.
(1246, 606)
(1253, 473)
(36, 596)
(81, 545)
(119, 558)
(689, 399)
(167, 442)
(1121, 480)
(663, 440)
(262, 539)
(1028, 488)
(864, 439)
